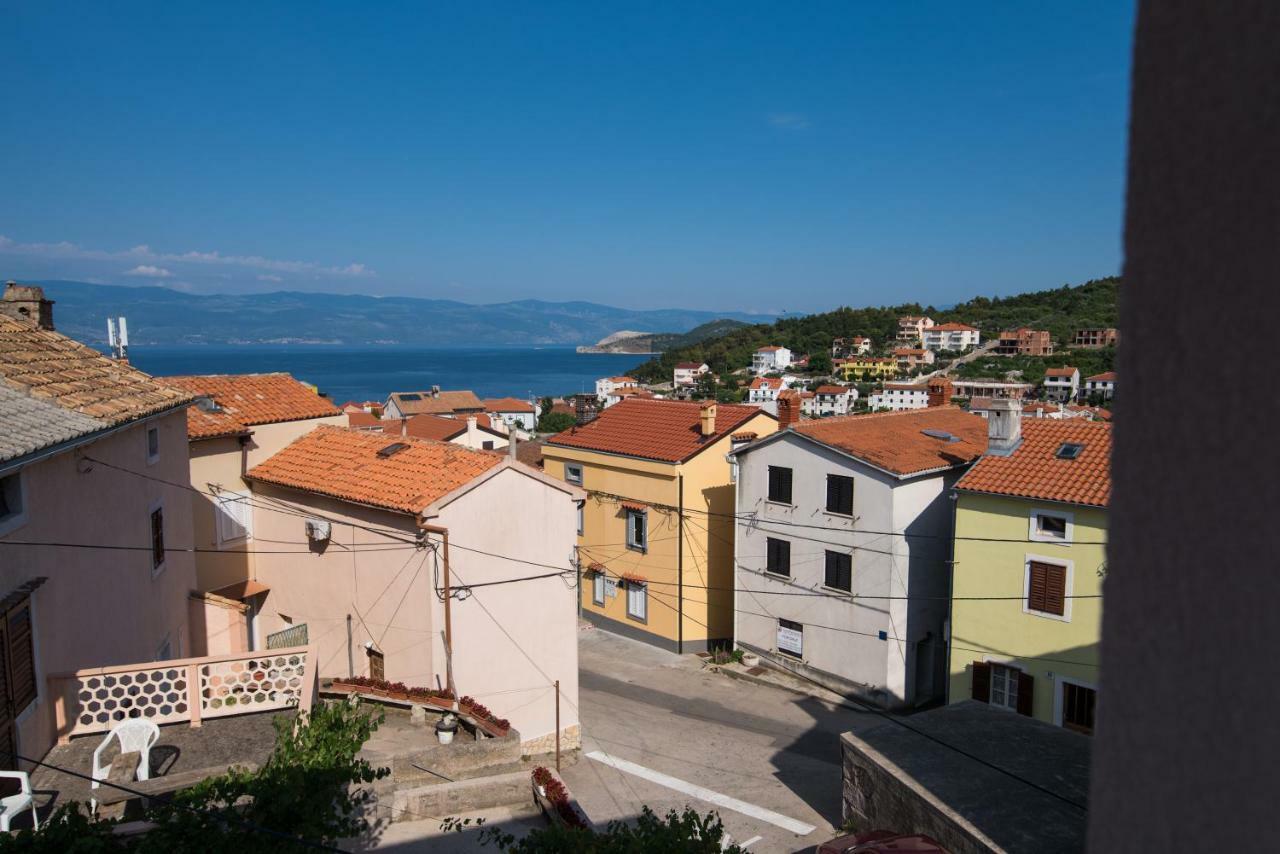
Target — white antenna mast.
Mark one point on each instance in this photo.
(119, 340)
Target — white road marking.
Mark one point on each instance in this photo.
(797, 827)
(752, 841)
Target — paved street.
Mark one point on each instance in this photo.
(666, 734)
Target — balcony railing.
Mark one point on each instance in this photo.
(187, 689)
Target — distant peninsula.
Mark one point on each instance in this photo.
(651, 344)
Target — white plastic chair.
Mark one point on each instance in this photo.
(15, 804)
(138, 735)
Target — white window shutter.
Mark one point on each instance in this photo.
(234, 517)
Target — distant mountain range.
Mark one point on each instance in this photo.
(159, 315)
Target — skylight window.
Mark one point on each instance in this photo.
(411, 397)
(941, 434)
(1069, 451)
(392, 449)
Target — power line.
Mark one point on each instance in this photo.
(185, 550)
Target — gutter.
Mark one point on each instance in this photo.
(680, 568)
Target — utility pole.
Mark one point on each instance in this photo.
(557, 726)
(448, 598)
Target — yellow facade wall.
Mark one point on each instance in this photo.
(705, 547)
(998, 630)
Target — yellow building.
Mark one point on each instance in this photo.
(656, 533)
(1030, 559)
(866, 368)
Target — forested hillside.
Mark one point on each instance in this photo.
(1061, 311)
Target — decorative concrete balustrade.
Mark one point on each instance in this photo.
(187, 689)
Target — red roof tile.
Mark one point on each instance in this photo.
(766, 382)
(507, 404)
(689, 366)
(667, 430)
(1034, 471)
(1104, 377)
(1060, 372)
(443, 403)
(360, 418)
(251, 399)
(833, 389)
(204, 424)
(344, 464)
(951, 327)
(895, 441)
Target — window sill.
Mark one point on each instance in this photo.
(780, 505)
(1047, 615)
(1057, 541)
(644, 621)
(837, 515)
(641, 549)
(778, 575)
(838, 590)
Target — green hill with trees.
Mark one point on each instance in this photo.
(1061, 311)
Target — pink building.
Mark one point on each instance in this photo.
(93, 458)
(370, 593)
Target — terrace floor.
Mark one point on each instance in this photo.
(181, 749)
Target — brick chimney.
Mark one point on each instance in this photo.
(788, 408)
(707, 415)
(27, 303)
(939, 392)
(1004, 426)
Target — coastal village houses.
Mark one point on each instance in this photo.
(911, 328)
(897, 397)
(656, 534)
(954, 337)
(1095, 339)
(397, 527)
(687, 373)
(843, 535)
(449, 404)
(831, 400)
(1061, 383)
(93, 467)
(474, 431)
(768, 360)
(866, 368)
(238, 420)
(1030, 560)
(1025, 342)
(1102, 385)
(606, 386)
(514, 413)
(764, 391)
(910, 358)
(843, 348)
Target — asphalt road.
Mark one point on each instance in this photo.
(666, 734)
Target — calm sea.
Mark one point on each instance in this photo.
(370, 373)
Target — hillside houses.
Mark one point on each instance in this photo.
(1061, 384)
(450, 404)
(771, 359)
(1025, 342)
(606, 386)
(952, 337)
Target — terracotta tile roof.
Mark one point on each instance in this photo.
(250, 399)
(1066, 372)
(766, 382)
(895, 441)
(207, 424)
(624, 380)
(507, 404)
(434, 426)
(833, 389)
(445, 403)
(344, 464)
(360, 418)
(530, 453)
(563, 408)
(770, 349)
(1034, 471)
(689, 366)
(50, 366)
(951, 327)
(667, 430)
(920, 387)
(1104, 377)
(744, 436)
(907, 351)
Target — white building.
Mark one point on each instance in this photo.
(911, 328)
(832, 400)
(513, 412)
(765, 389)
(687, 373)
(1103, 384)
(768, 360)
(1061, 383)
(990, 388)
(606, 386)
(898, 397)
(950, 336)
(855, 605)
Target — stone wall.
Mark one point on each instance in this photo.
(462, 796)
(570, 739)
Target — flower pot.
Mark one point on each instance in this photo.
(750, 659)
(446, 728)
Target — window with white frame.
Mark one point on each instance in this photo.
(1052, 526)
(637, 600)
(153, 445)
(1004, 686)
(234, 517)
(637, 529)
(581, 515)
(13, 503)
(597, 588)
(573, 473)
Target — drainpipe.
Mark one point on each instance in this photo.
(951, 592)
(680, 569)
(448, 595)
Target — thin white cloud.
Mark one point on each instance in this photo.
(150, 271)
(270, 277)
(65, 249)
(789, 121)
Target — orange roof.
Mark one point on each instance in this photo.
(920, 387)
(507, 404)
(689, 366)
(250, 399)
(429, 403)
(49, 366)
(623, 380)
(766, 382)
(895, 441)
(951, 327)
(1034, 471)
(206, 424)
(1104, 377)
(1060, 372)
(344, 464)
(360, 418)
(434, 426)
(907, 351)
(833, 389)
(667, 430)
(771, 348)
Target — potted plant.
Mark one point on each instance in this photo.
(446, 728)
(750, 659)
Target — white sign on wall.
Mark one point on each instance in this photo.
(610, 588)
(791, 638)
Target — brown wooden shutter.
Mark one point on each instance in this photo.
(8, 761)
(21, 654)
(1037, 583)
(1055, 595)
(1026, 693)
(981, 682)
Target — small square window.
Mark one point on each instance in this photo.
(573, 474)
(487, 445)
(153, 444)
(1054, 527)
(637, 600)
(1069, 451)
(840, 494)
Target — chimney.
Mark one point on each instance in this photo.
(512, 441)
(788, 408)
(940, 392)
(27, 303)
(404, 426)
(435, 391)
(707, 413)
(473, 435)
(1004, 426)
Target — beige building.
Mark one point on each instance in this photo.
(239, 420)
(370, 590)
(95, 520)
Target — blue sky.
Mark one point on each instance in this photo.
(771, 156)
